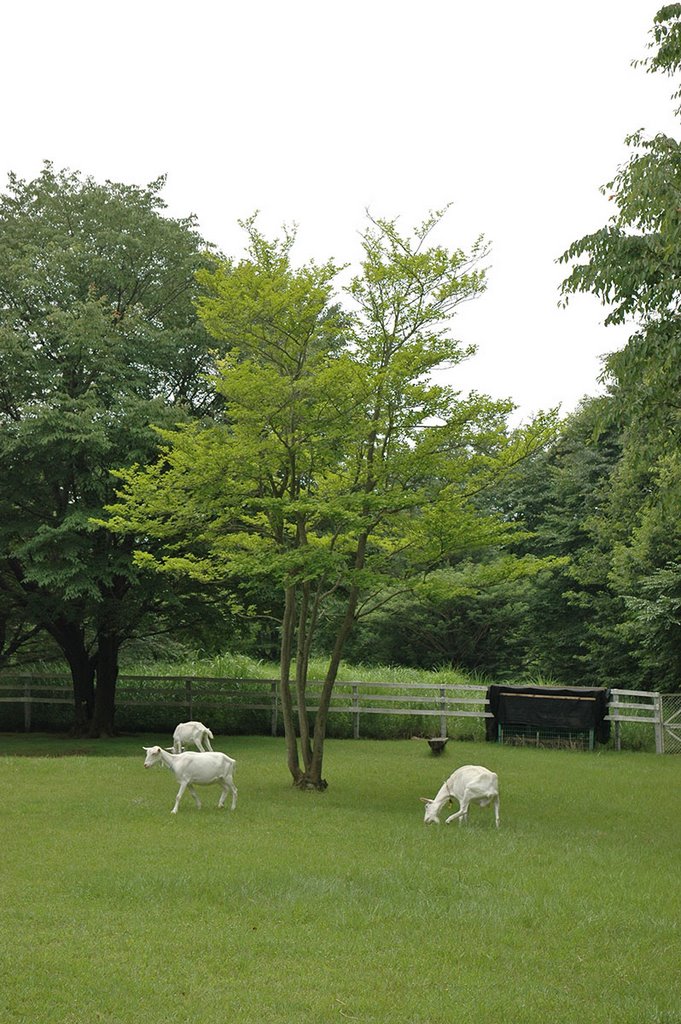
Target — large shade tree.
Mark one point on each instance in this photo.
(99, 339)
(343, 472)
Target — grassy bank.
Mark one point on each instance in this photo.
(304, 907)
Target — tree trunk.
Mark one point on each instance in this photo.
(314, 778)
(301, 677)
(313, 774)
(70, 637)
(287, 629)
(105, 695)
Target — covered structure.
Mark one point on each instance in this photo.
(547, 713)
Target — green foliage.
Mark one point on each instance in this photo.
(666, 42)
(632, 264)
(342, 470)
(98, 339)
(325, 443)
(626, 579)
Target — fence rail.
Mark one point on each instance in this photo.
(191, 695)
(637, 706)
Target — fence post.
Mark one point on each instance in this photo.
(27, 706)
(659, 725)
(188, 696)
(443, 707)
(273, 691)
(355, 712)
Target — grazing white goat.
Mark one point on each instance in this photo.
(202, 769)
(192, 732)
(470, 784)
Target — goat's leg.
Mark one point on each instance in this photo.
(207, 742)
(199, 744)
(180, 794)
(461, 815)
(227, 785)
(496, 811)
(195, 795)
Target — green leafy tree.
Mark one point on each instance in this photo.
(98, 340)
(571, 612)
(633, 265)
(343, 473)
(529, 607)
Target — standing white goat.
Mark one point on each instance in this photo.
(470, 784)
(192, 732)
(202, 769)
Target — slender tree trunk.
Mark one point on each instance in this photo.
(301, 677)
(314, 773)
(287, 629)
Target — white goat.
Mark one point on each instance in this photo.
(202, 768)
(192, 732)
(470, 784)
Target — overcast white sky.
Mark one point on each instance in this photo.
(313, 111)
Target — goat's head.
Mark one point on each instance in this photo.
(430, 817)
(153, 756)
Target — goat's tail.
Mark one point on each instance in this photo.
(209, 734)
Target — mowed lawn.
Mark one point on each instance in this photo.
(342, 906)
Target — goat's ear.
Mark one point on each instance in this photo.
(425, 799)
(146, 748)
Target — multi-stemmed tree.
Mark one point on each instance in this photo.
(342, 470)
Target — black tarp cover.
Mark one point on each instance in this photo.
(575, 708)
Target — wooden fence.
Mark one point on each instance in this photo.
(637, 706)
(194, 696)
(190, 696)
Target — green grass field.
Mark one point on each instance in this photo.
(342, 906)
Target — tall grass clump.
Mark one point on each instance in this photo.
(307, 907)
